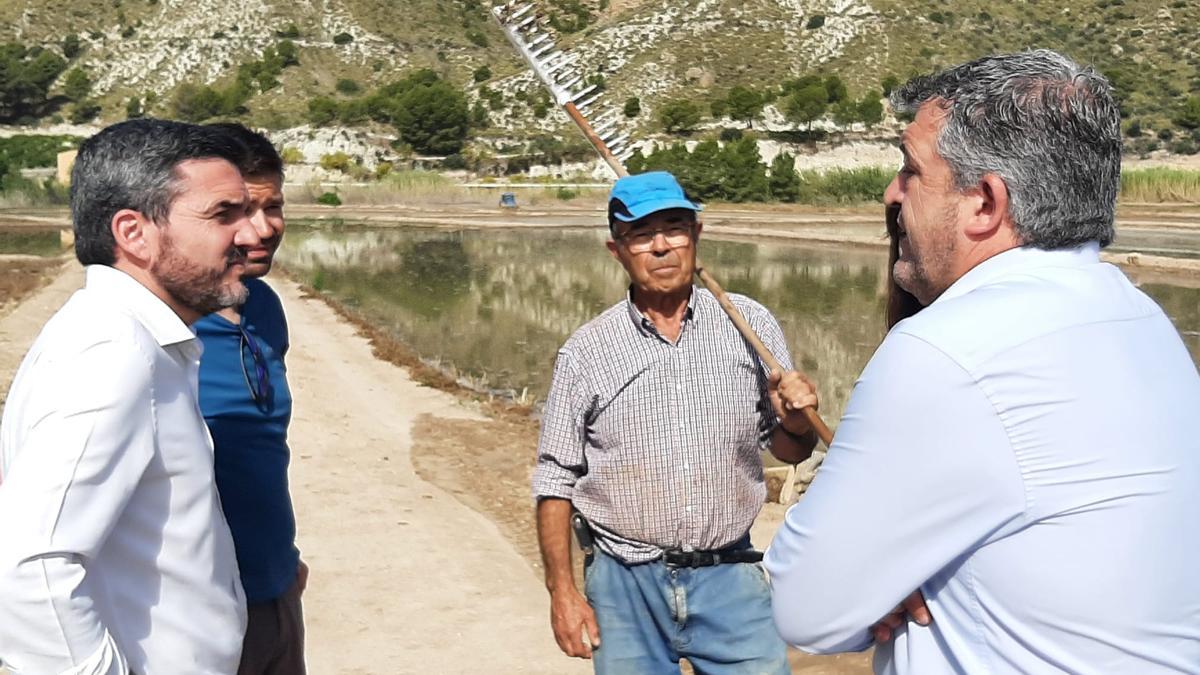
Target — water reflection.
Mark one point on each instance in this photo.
(30, 241)
(497, 304)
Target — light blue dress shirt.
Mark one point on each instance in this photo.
(1026, 451)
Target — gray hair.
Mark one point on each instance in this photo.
(1047, 126)
(132, 165)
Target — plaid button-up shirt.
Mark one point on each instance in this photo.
(658, 444)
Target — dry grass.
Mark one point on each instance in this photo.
(1160, 185)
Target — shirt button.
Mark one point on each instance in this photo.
(689, 509)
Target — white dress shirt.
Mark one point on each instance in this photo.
(114, 554)
(1026, 451)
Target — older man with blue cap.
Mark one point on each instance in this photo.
(652, 432)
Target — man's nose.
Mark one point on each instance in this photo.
(261, 226)
(659, 243)
(247, 233)
(891, 195)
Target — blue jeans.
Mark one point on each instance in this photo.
(651, 615)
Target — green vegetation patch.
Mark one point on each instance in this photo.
(28, 151)
(44, 243)
(1160, 185)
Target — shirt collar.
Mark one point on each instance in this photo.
(162, 321)
(644, 325)
(1018, 259)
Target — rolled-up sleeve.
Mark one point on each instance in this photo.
(920, 472)
(86, 438)
(561, 459)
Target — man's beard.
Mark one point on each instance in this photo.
(199, 289)
(922, 275)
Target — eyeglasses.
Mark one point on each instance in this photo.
(260, 384)
(640, 241)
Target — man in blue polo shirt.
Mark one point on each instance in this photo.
(245, 400)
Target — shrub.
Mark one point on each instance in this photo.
(565, 194)
(196, 103)
(1184, 147)
(84, 111)
(676, 116)
(870, 110)
(77, 85)
(71, 46)
(322, 110)
(730, 134)
(329, 199)
(632, 107)
(291, 155)
(343, 39)
(477, 37)
(482, 74)
(815, 21)
(889, 84)
(336, 161)
(1188, 116)
(287, 53)
(347, 86)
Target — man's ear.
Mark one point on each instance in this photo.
(612, 248)
(699, 226)
(131, 230)
(989, 207)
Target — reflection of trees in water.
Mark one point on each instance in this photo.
(433, 275)
(494, 303)
(501, 303)
(828, 302)
(1182, 304)
(31, 241)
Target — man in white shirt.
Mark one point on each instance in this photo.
(1025, 450)
(115, 557)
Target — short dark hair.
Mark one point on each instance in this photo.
(132, 165)
(259, 158)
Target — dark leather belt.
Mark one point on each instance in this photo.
(677, 558)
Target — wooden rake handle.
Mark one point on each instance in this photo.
(765, 354)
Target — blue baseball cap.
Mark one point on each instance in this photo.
(635, 197)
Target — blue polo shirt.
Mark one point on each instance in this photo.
(250, 440)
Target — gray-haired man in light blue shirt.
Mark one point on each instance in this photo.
(1025, 450)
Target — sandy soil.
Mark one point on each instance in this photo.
(22, 275)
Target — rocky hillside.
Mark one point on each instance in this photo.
(657, 51)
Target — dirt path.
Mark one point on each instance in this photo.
(405, 578)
